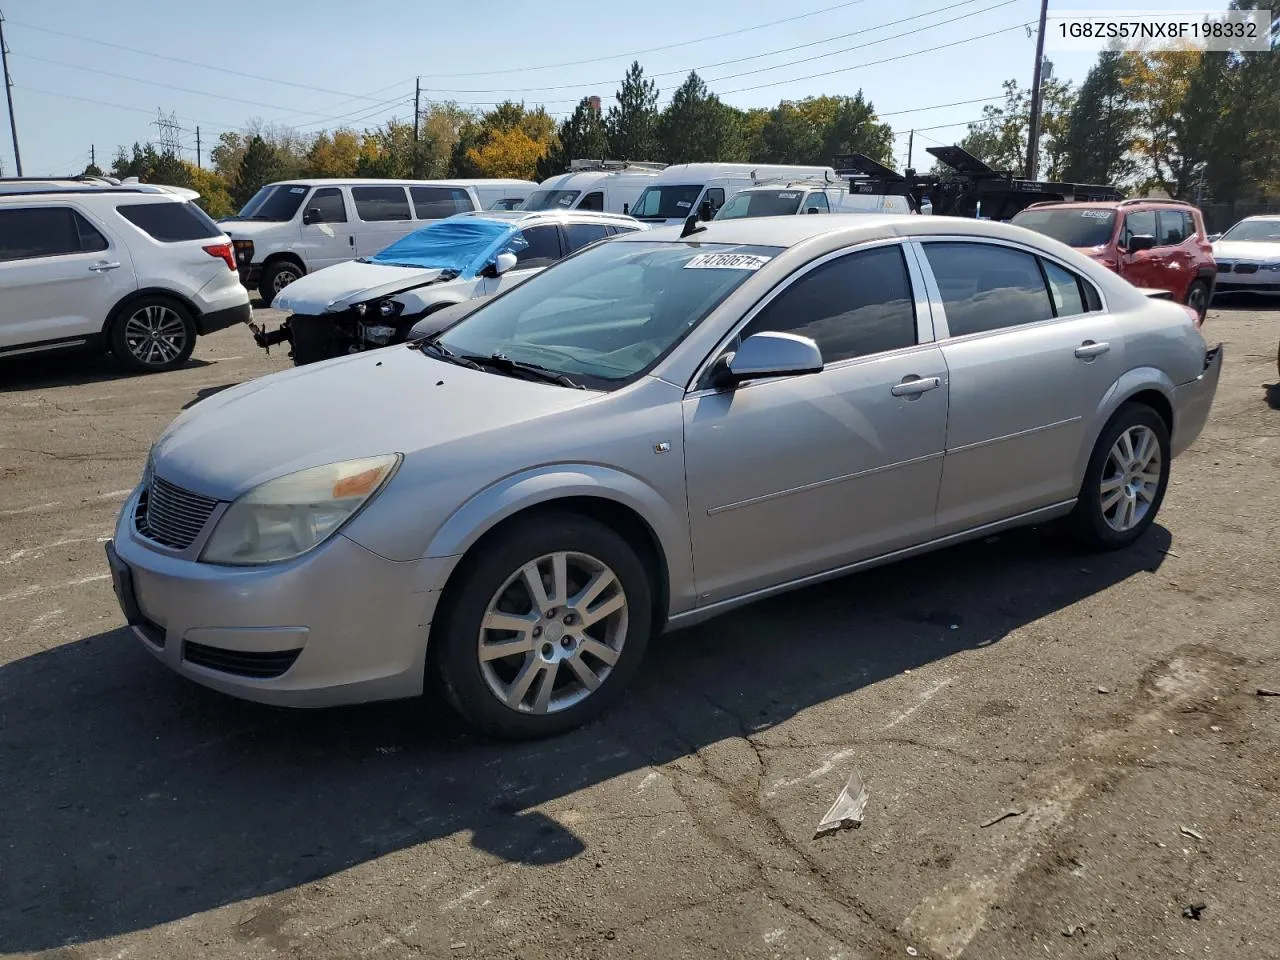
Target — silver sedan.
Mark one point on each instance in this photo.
(657, 429)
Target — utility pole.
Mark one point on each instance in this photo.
(1033, 134)
(911, 143)
(417, 97)
(8, 92)
(93, 154)
(198, 164)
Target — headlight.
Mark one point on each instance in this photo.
(285, 517)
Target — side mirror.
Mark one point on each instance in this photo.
(1141, 241)
(626, 209)
(768, 355)
(312, 216)
(812, 210)
(705, 211)
(1215, 237)
(501, 264)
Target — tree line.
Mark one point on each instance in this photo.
(1197, 126)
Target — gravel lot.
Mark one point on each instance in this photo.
(1110, 702)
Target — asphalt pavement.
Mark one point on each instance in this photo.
(1066, 755)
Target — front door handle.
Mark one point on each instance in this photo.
(351, 241)
(913, 386)
(1088, 350)
(104, 267)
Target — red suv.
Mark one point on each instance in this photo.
(1157, 244)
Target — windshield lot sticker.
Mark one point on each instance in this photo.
(684, 203)
(1096, 214)
(788, 196)
(297, 189)
(727, 261)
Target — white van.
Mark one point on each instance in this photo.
(499, 194)
(703, 188)
(604, 187)
(804, 197)
(294, 227)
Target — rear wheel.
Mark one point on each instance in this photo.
(275, 277)
(1125, 481)
(1198, 298)
(153, 334)
(547, 627)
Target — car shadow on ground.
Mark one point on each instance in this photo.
(204, 393)
(130, 797)
(43, 372)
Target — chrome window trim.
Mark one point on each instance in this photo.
(924, 324)
(941, 328)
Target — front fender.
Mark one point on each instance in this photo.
(547, 484)
(1128, 385)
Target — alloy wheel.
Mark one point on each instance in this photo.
(1130, 478)
(553, 632)
(155, 335)
(282, 279)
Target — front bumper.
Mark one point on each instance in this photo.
(338, 625)
(221, 319)
(1192, 402)
(1263, 281)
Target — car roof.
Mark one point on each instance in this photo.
(133, 194)
(521, 216)
(367, 182)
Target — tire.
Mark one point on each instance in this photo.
(153, 334)
(275, 277)
(1198, 298)
(491, 580)
(1097, 522)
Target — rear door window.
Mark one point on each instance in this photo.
(436, 203)
(377, 204)
(988, 287)
(46, 232)
(170, 222)
(578, 235)
(1065, 288)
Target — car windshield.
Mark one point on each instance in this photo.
(1256, 231)
(610, 313)
(276, 203)
(550, 200)
(461, 244)
(761, 203)
(1090, 227)
(667, 202)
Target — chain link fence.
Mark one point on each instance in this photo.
(1220, 216)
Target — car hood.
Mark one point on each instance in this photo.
(251, 229)
(1247, 250)
(337, 288)
(394, 400)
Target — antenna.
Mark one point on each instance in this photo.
(169, 137)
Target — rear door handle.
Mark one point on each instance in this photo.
(1088, 350)
(104, 267)
(351, 241)
(913, 386)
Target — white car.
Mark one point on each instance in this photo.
(375, 301)
(137, 270)
(1248, 257)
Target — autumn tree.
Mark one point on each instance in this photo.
(507, 153)
(631, 124)
(334, 155)
(440, 126)
(1158, 83)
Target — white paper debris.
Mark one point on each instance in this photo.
(846, 812)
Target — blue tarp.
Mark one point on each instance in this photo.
(460, 243)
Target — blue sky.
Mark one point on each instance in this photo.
(327, 63)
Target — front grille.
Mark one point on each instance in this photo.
(1224, 267)
(1246, 268)
(240, 663)
(171, 516)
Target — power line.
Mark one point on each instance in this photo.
(769, 53)
(872, 63)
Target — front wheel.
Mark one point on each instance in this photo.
(1198, 298)
(153, 335)
(1125, 481)
(547, 627)
(275, 277)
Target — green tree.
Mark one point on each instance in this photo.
(854, 128)
(1100, 126)
(440, 125)
(696, 126)
(631, 124)
(580, 136)
(261, 164)
(388, 151)
(92, 170)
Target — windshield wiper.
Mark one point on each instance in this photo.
(504, 364)
(438, 350)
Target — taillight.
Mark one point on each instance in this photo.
(224, 252)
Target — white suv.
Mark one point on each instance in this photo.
(132, 269)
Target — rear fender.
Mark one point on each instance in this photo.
(1127, 386)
